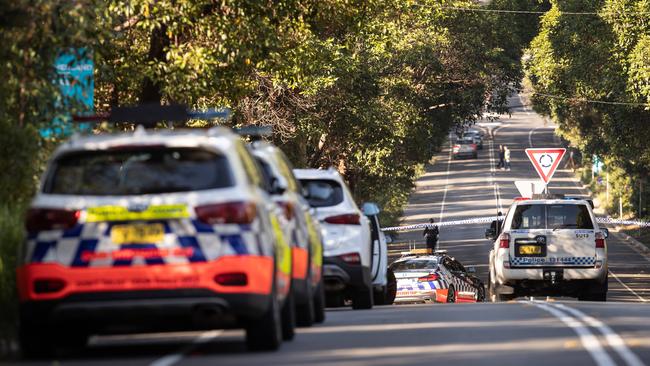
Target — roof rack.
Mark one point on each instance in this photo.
(148, 115)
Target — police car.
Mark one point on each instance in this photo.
(153, 231)
(425, 276)
(300, 229)
(549, 246)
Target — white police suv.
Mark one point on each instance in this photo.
(548, 247)
(153, 230)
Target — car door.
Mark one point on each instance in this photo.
(464, 288)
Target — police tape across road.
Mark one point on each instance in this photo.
(489, 219)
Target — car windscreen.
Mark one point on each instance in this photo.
(323, 192)
(568, 217)
(138, 170)
(552, 216)
(415, 264)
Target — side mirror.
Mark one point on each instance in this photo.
(471, 269)
(370, 209)
(277, 187)
(491, 234)
(605, 232)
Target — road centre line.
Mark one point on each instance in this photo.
(444, 195)
(589, 341)
(614, 340)
(174, 358)
(627, 287)
(495, 185)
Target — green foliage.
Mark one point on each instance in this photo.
(600, 57)
(11, 234)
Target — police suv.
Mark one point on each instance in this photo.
(153, 231)
(548, 246)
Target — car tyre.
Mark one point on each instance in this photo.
(334, 299)
(362, 298)
(475, 156)
(35, 343)
(319, 303)
(451, 295)
(480, 294)
(305, 313)
(289, 317)
(596, 292)
(386, 296)
(265, 333)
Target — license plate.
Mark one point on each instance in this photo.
(530, 250)
(137, 233)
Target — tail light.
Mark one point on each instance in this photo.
(288, 209)
(227, 213)
(504, 240)
(48, 286)
(473, 146)
(600, 240)
(429, 277)
(40, 219)
(351, 258)
(348, 219)
(456, 147)
(231, 279)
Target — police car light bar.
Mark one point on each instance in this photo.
(150, 114)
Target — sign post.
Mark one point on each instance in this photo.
(545, 161)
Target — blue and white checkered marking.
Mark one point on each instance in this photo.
(208, 242)
(553, 261)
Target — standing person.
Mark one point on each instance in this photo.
(506, 157)
(501, 157)
(431, 233)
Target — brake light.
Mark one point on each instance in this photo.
(347, 219)
(227, 213)
(456, 147)
(231, 279)
(429, 277)
(473, 146)
(48, 286)
(287, 208)
(504, 240)
(40, 219)
(351, 258)
(600, 240)
(521, 199)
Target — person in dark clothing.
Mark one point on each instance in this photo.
(502, 156)
(431, 233)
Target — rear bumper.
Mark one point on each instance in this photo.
(161, 310)
(259, 271)
(339, 275)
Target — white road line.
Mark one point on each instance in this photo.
(444, 195)
(495, 185)
(589, 340)
(174, 358)
(627, 287)
(614, 340)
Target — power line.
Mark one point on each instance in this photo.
(533, 12)
(552, 96)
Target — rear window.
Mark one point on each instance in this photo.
(568, 217)
(415, 264)
(559, 216)
(323, 193)
(138, 171)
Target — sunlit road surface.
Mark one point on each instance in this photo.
(522, 332)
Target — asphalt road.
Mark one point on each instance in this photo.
(526, 331)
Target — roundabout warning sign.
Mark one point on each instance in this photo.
(545, 161)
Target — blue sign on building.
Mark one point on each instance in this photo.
(74, 70)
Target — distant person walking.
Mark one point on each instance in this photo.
(506, 157)
(571, 163)
(501, 157)
(431, 233)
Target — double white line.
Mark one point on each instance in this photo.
(581, 323)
